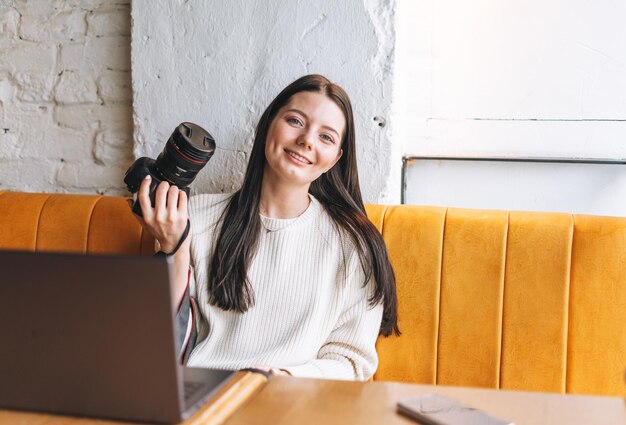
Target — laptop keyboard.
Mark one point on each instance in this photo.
(191, 388)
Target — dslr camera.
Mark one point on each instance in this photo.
(186, 152)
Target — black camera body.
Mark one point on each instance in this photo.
(186, 152)
(141, 168)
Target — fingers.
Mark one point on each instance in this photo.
(273, 370)
(279, 372)
(263, 368)
(160, 201)
(172, 201)
(167, 219)
(182, 204)
(143, 196)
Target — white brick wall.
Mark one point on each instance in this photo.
(65, 96)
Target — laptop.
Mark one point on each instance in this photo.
(94, 336)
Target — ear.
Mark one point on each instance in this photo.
(336, 159)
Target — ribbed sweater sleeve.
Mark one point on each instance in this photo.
(349, 351)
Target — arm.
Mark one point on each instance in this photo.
(186, 322)
(166, 221)
(350, 350)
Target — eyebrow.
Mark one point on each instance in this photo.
(307, 117)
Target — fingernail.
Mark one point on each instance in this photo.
(147, 177)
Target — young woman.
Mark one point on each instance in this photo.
(287, 274)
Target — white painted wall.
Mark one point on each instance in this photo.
(533, 78)
(65, 95)
(219, 64)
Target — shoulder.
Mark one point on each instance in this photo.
(205, 211)
(343, 241)
(333, 229)
(351, 245)
(208, 202)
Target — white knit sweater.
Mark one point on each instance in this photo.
(311, 314)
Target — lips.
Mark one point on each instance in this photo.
(298, 157)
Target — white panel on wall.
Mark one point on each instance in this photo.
(558, 59)
(555, 67)
(572, 188)
(533, 138)
(513, 79)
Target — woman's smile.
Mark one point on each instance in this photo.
(298, 158)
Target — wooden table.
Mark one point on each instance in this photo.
(310, 401)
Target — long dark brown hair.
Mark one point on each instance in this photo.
(337, 190)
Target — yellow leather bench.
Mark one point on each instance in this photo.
(498, 299)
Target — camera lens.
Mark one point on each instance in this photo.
(187, 150)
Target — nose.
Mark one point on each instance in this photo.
(305, 139)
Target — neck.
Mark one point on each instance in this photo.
(280, 201)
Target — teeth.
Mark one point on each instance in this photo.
(298, 157)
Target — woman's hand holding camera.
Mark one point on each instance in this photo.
(167, 221)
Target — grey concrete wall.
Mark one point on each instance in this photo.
(219, 64)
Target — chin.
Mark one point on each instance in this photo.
(297, 179)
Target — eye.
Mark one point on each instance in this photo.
(294, 120)
(327, 138)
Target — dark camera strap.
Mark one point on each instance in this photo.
(180, 242)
